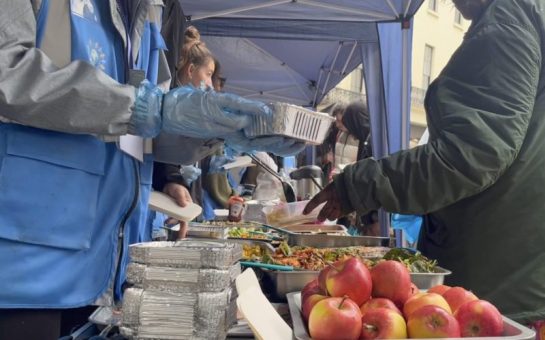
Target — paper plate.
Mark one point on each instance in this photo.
(165, 204)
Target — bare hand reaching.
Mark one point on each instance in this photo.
(333, 208)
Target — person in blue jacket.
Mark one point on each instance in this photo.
(81, 95)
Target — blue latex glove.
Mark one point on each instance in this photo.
(192, 112)
(216, 163)
(146, 116)
(280, 146)
(190, 173)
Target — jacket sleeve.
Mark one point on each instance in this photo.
(478, 117)
(77, 98)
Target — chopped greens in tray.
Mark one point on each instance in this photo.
(415, 261)
(308, 258)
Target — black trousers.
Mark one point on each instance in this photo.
(41, 324)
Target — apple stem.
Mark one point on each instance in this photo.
(342, 301)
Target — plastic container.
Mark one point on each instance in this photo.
(284, 214)
(292, 121)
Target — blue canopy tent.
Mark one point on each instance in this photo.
(297, 50)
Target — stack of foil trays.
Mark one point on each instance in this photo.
(181, 290)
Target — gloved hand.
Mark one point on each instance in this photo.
(146, 115)
(190, 173)
(216, 163)
(280, 146)
(192, 112)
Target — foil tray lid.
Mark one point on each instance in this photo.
(187, 254)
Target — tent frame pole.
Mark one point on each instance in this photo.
(332, 65)
(372, 14)
(240, 9)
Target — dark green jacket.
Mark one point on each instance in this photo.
(481, 177)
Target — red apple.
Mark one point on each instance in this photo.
(309, 303)
(457, 296)
(335, 318)
(311, 288)
(379, 303)
(322, 276)
(439, 289)
(432, 322)
(383, 323)
(479, 318)
(420, 300)
(350, 278)
(391, 280)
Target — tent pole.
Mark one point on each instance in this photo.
(407, 8)
(372, 14)
(392, 7)
(405, 71)
(349, 58)
(318, 87)
(240, 9)
(405, 92)
(332, 66)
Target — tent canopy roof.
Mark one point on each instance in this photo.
(323, 10)
(290, 50)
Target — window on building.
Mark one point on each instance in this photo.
(428, 60)
(356, 82)
(432, 5)
(457, 17)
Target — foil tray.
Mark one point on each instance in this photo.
(187, 254)
(292, 121)
(161, 315)
(181, 280)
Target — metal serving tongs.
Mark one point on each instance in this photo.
(289, 193)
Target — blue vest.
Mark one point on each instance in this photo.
(68, 201)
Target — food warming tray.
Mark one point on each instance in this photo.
(284, 282)
(330, 241)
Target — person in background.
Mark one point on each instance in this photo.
(217, 185)
(479, 180)
(355, 120)
(194, 70)
(325, 154)
(346, 146)
(82, 85)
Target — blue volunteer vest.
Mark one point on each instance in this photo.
(65, 197)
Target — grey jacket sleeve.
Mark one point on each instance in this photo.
(480, 107)
(77, 98)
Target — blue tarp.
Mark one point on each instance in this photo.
(297, 50)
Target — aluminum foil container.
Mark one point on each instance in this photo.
(161, 315)
(187, 254)
(292, 121)
(181, 280)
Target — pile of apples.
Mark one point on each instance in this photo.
(350, 302)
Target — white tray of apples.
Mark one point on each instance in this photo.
(349, 301)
